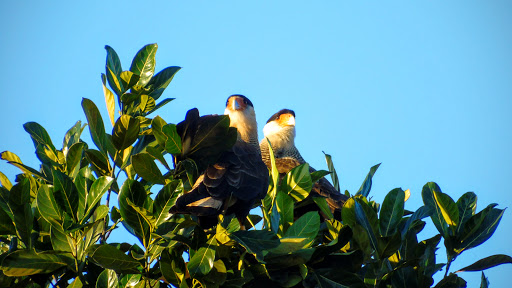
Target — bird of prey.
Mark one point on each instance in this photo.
(237, 179)
(280, 131)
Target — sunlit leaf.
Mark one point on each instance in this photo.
(448, 209)
(136, 194)
(164, 200)
(113, 70)
(202, 261)
(47, 205)
(73, 158)
(160, 104)
(334, 175)
(173, 141)
(97, 190)
(28, 262)
(99, 162)
(161, 80)
(4, 181)
(143, 64)
(109, 257)
(107, 279)
(297, 182)
(284, 204)
(95, 122)
(109, 100)
(146, 167)
(307, 226)
(125, 132)
(129, 79)
(256, 241)
(430, 201)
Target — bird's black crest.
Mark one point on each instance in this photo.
(281, 112)
(246, 100)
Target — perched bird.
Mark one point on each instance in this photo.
(237, 179)
(280, 131)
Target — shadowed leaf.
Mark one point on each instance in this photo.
(391, 211)
(202, 261)
(367, 183)
(161, 80)
(488, 262)
(125, 132)
(146, 167)
(28, 262)
(96, 126)
(109, 257)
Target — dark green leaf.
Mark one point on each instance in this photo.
(334, 175)
(73, 158)
(23, 221)
(83, 182)
(319, 174)
(160, 105)
(483, 230)
(173, 141)
(109, 257)
(65, 193)
(422, 212)
(113, 70)
(156, 152)
(367, 218)
(125, 132)
(38, 134)
(28, 262)
(6, 224)
(451, 281)
(96, 126)
(172, 267)
(430, 201)
(164, 200)
(98, 189)
(136, 194)
(321, 202)
(391, 212)
(284, 205)
(467, 206)
(157, 125)
(448, 209)
(324, 282)
(488, 262)
(202, 261)
(161, 80)
(367, 183)
(298, 182)
(306, 227)
(143, 64)
(98, 161)
(256, 241)
(129, 280)
(146, 168)
(72, 136)
(47, 205)
(107, 279)
(485, 282)
(60, 240)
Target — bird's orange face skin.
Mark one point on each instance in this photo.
(286, 120)
(236, 103)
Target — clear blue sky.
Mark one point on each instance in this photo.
(425, 88)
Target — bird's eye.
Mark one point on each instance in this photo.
(245, 101)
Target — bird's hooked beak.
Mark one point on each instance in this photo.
(286, 120)
(236, 103)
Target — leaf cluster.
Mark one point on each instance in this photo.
(56, 219)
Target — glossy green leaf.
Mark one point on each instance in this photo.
(172, 267)
(367, 218)
(96, 192)
(430, 201)
(476, 232)
(157, 125)
(72, 136)
(147, 103)
(129, 280)
(173, 140)
(451, 281)
(348, 212)
(334, 175)
(14, 160)
(391, 212)
(113, 70)
(136, 194)
(367, 183)
(284, 205)
(146, 168)
(448, 208)
(107, 279)
(143, 64)
(83, 183)
(20, 193)
(422, 212)
(46, 155)
(96, 127)
(47, 205)
(160, 105)
(256, 241)
(488, 262)
(164, 200)
(109, 100)
(319, 174)
(129, 79)
(202, 261)
(99, 161)
(156, 152)
(467, 206)
(109, 257)
(161, 80)
(125, 132)
(73, 158)
(6, 224)
(65, 193)
(28, 262)
(307, 226)
(60, 240)
(24, 221)
(321, 202)
(298, 182)
(38, 134)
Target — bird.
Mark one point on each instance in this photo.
(237, 180)
(280, 132)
